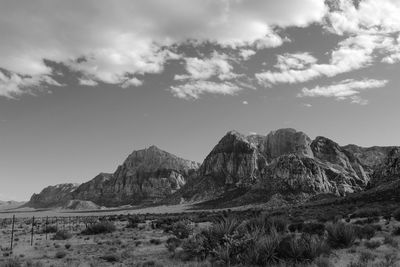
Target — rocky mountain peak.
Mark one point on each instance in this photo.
(389, 170)
(287, 141)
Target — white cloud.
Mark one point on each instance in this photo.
(13, 85)
(120, 40)
(294, 61)
(247, 53)
(347, 89)
(193, 89)
(245, 102)
(203, 69)
(307, 105)
(353, 53)
(87, 82)
(132, 82)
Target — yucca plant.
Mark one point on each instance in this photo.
(341, 235)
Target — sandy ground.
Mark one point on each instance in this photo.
(29, 212)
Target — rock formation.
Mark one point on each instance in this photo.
(389, 170)
(52, 196)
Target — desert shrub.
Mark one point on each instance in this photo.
(61, 254)
(279, 223)
(12, 262)
(182, 229)
(62, 235)
(323, 262)
(396, 214)
(372, 244)
(67, 246)
(262, 250)
(172, 244)
(225, 226)
(99, 228)
(155, 241)
(367, 231)
(50, 229)
(302, 248)
(133, 221)
(195, 248)
(314, 228)
(396, 231)
(340, 235)
(388, 240)
(111, 257)
(366, 212)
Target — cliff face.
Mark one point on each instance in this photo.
(389, 170)
(284, 163)
(147, 175)
(53, 196)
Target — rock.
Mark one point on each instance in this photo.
(389, 170)
(287, 141)
(93, 190)
(147, 175)
(52, 196)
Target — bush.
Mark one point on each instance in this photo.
(396, 214)
(133, 222)
(155, 241)
(366, 212)
(13, 262)
(62, 235)
(110, 258)
(372, 244)
(99, 228)
(172, 244)
(388, 240)
(195, 248)
(182, 229)
(61, 254)
(340, 235)
(367, 231)
(396, 231)
(50, 229)
(314, 228)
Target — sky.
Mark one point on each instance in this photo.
(84, 83)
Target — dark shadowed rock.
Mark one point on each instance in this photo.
(93, 190)
(52, 196)
(287, 141)
(389, 170)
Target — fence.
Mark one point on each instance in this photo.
(41, 225)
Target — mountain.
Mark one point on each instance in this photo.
(285, 162)
(52, 196)
(10, 204)
(283, 165)
(146, 176)
(388, 170)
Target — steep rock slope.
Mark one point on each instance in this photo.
(93, 189)
(52, 196)
(147, 175)
(233, 163)
(389, 170)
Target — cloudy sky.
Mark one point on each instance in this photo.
(83, 83)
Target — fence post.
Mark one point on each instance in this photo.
(12, 232)
(33, 223)
(47, 222)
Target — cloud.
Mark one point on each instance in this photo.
(294, 61)
(353, 53)
(347, 89)
(87, 82)
(204, 69)
(13, 85)
(111, 43)
(193, 89)
(247, 53)
(132, 82)
(245, 102)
